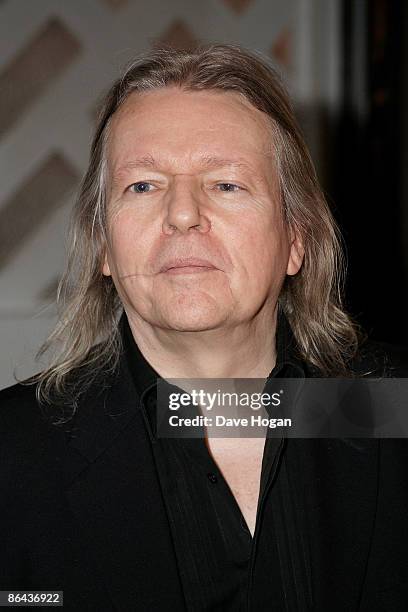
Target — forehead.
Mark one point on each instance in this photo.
(179, 126)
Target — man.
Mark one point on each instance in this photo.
(201, 247)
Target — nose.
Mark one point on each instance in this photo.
(185, 208)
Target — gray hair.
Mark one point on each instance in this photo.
(86, 340)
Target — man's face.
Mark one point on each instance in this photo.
(198, 240)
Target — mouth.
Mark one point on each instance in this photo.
(189, 270)
(188, 266)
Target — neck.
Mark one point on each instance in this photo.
(240, 351)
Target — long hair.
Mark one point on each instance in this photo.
(86, 340)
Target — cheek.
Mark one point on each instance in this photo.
(262, 261)
(128, 244)
(263, 252)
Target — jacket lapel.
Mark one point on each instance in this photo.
(114, 493)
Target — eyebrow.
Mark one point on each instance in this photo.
(206, 161)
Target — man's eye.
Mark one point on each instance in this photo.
(145, 187)
(140, 187)
(229, 187)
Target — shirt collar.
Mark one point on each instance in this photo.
(288, 364)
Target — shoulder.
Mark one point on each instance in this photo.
(380, 359)
(26, 428)
(22, 415)
(25, 435)
(25, 424)
(18, 404)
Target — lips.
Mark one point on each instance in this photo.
(189, 264)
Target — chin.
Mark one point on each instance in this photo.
(192, 322)
(189, 317)
(190, 311)
(190, 326)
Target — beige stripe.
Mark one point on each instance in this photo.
(238, 6)
(282, 48)
(34, 69)
(177, 36)
(35, 199)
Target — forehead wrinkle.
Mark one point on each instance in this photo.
(205, 161)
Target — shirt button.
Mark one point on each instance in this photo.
(212, 478)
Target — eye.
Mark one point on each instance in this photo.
(229, 187)
(140, 187)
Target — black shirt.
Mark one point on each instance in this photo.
(221, 566)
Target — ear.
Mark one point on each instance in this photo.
(105, 266)
(296, 253)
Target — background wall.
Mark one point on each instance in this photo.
(369, 164)
(57, 58)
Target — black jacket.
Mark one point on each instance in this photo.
(82, 511)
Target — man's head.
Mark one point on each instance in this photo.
(192, 178)
(198, 155)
